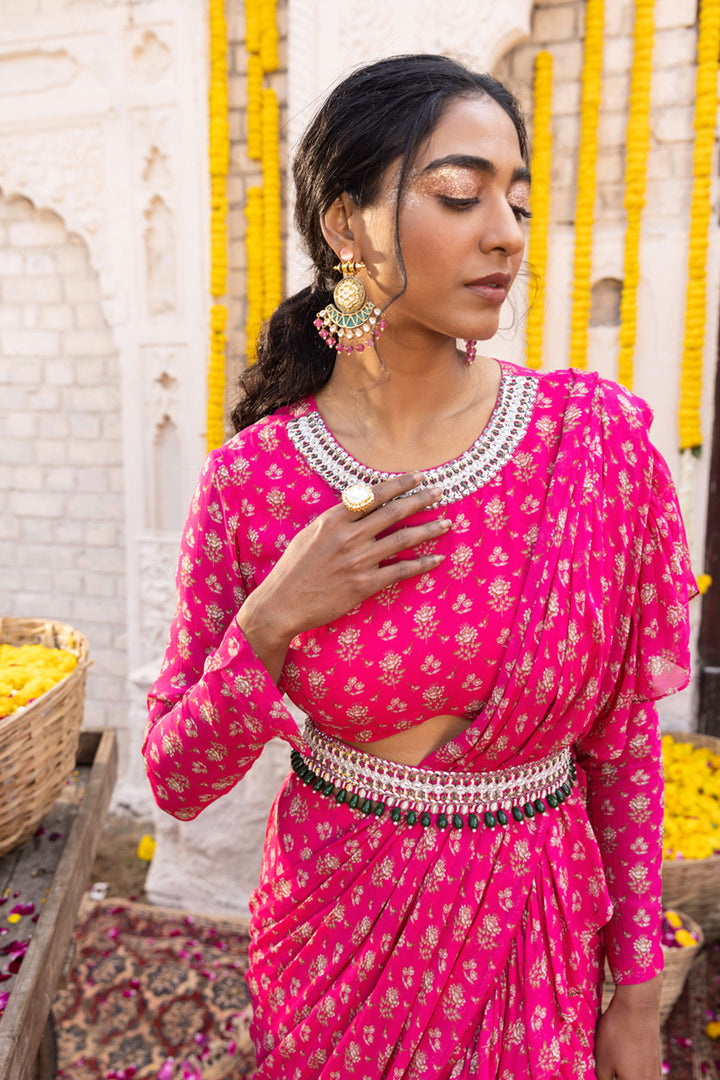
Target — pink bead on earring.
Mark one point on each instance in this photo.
(351, 320)
(470, 351)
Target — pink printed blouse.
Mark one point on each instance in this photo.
(559, 613)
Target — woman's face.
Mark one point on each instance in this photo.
(461, 225)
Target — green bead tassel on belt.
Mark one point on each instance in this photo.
(488, 818)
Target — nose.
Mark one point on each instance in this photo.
(503, 230)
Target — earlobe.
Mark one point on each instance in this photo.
(335, 224)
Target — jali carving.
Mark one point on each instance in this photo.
(32, 72)
(62, 169)
(158, 559)
(160, 258)
(150, 58)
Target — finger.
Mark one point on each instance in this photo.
(409, 536)
(390, 513)
(390, 489)
(408, 568)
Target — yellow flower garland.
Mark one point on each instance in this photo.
(587, 160)
(263, 210)
(272, 239)
(538, 243)
(638, 146)
(219, 160)
(706, 105)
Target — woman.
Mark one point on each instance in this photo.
(469, 576)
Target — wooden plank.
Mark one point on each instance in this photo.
(22, 1026)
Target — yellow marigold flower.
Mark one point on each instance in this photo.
(674, 919)
(685, 938)
(713, 1029)
(146, 848)
(29, 671)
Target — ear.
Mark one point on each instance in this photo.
(335, 224)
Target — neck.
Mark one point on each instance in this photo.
(394, 391)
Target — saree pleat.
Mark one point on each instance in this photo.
(410, 949)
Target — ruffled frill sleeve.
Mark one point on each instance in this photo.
(650, 581)
(214, 705)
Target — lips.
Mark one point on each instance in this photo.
(492, 287)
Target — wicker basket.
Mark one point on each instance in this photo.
(693, 885)
(38, 743)
(678, 965)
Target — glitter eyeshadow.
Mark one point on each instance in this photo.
(447, 180)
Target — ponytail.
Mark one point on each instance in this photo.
(293, 361)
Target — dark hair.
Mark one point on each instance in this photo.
(380, 113)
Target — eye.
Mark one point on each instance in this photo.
(521, 212)
(458, 204)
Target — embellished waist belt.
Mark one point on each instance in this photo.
(413, 793)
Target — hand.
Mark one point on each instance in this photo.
(333, 564)
(627, 1037)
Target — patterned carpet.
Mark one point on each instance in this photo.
(154, 995)
(161, 995)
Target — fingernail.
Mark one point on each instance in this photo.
(445, 522)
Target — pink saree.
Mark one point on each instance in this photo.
(394, 951)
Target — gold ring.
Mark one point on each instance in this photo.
(358, 498)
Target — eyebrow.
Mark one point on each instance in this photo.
(477, 164)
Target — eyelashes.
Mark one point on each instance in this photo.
(521, 212)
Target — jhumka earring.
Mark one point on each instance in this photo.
(346, 324)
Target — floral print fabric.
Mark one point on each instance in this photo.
(559, 613)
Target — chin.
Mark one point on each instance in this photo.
(484, 332)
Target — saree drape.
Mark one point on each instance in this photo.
(391, 952)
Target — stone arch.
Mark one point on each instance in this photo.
(61, 482)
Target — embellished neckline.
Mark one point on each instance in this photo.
(458, 477)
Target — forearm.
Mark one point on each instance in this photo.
(642, 996)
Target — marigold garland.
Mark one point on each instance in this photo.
(638, 145)
(272, 238)
(587, 162)
(263, 210)
(219, 161)
(706, 105)
(540, 202)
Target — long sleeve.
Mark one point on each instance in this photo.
(648, 657)
(625, 808)
(214, 705)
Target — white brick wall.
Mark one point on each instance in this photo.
(61, 480)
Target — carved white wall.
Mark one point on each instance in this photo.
(103, 120)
